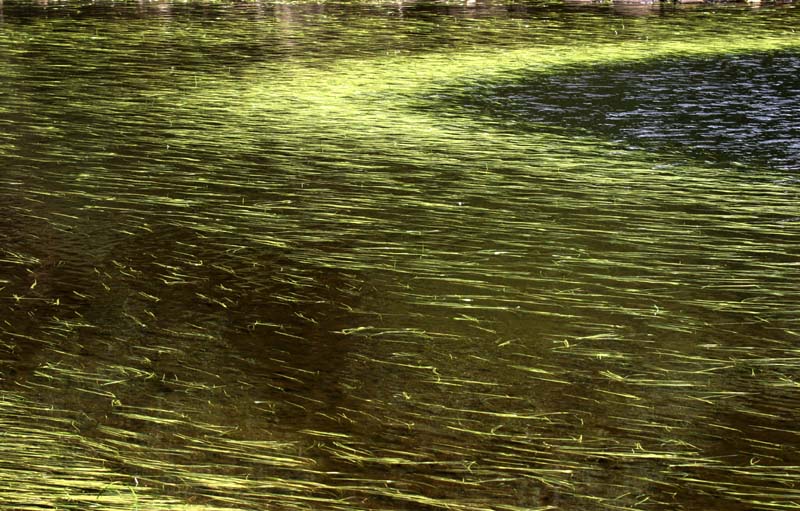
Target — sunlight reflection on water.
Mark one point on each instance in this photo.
(410, 256)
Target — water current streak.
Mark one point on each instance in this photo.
(257, 257)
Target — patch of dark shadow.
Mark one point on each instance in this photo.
(173, 318)
(740, 110)
(263, 301)
(44, 282)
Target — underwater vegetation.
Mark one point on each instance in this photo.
(381, 257)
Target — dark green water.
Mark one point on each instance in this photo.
(402, 256)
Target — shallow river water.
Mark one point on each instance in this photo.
(512, 256)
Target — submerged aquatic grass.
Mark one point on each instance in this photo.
(294, 280)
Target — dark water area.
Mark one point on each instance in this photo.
(738, 109)
(525, 256)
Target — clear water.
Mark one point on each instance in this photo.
(402, 256)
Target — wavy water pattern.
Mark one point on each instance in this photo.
(343, 257)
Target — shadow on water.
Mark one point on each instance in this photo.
(184, 312)
(151, 342)
(735, 109)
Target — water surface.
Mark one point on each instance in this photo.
(406, 256)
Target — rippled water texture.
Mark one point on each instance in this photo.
(411, 256)
(739, 109)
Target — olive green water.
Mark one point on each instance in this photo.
(406, 256)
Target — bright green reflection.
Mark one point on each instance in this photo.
(246, 264)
